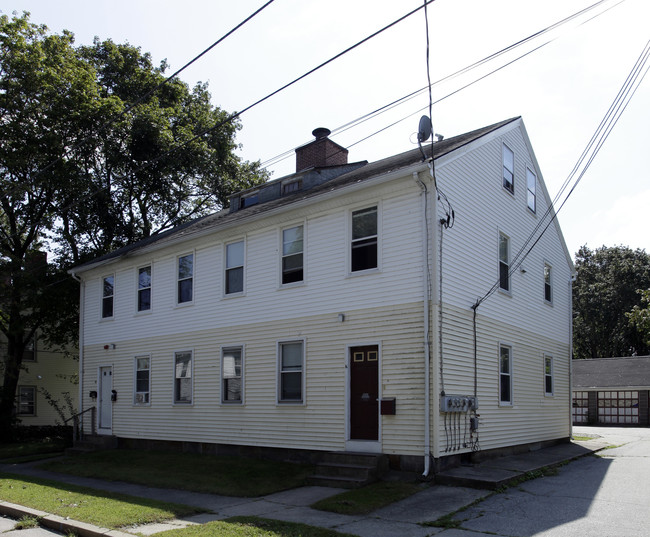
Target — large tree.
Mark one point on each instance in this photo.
(85, 167)
(605, 291)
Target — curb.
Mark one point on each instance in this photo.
(58, 523)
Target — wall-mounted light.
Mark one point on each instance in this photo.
(341, 317)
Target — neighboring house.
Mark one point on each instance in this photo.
(45, 374)
(305, 318)
(611, 391)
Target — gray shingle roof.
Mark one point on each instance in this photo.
(364, 172)
(620, 373)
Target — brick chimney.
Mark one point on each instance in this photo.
(320, 152)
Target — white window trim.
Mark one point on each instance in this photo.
(348, 246)
(506, 404)
(241, 402)
(503, 146)
(507, 292)
(225, 268)
(135, 380)
(303, 399)
(552, 375)
(180, 403)
(137, 288)
(101, 297)
(304, 255)
(547, 264)
(177, 280)
(528, 170)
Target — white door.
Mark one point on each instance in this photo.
(105, 404)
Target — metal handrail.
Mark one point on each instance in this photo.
(77, 432)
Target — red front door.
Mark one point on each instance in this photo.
(364, 393)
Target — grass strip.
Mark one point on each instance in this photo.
(230, 476)
(249, 526)
(106, 509)
(369, 498)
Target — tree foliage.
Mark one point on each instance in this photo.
(85, 168)
(640, 316)
(604, 293)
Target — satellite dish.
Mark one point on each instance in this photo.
(424, 129)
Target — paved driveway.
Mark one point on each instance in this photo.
(598, 496)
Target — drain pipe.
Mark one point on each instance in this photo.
(82, 300)
(571, 280)
(426, 298)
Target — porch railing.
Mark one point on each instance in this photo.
(77, 423)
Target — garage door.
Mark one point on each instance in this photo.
(618, 408)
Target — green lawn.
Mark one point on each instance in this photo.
(231, 476)
(369, 498)
(251, 527)
(26, 451)
(101, 508)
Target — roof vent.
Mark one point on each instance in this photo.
(320, 152)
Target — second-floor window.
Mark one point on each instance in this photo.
(144, 288)
(235, 268)
(292, 255)
(364, 245)
(548, 288)
(108, 290)
(185, 278)
(508, 169)
(504, 262)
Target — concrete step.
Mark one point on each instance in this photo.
(349, 469)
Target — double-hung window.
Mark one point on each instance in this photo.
(290, 371)
(26, 404)
(505, 375)
(548, 375)
(185, 279)
(504, 262)
(364, 244)
(548, 283)
(231, 375)
(183, 377)
(142, 380)
(531, 186)
(144, 288)
(292, 254)
(108, 292)
(508, 169)
(235, 267)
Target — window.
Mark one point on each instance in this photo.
(231, 375)
(548, 375)
(107, 296)
(292, 260)
(144, 288)
(290, 371)
(531, 185)
(250, 199)
(548, 289)
(235, 267)
(185, 278)
(505, 375)
(183, 377)
(508, 169)
(504, 262)
(26, 401)
(29, 352)
(364, 239)
(291, 186)
(142, 380)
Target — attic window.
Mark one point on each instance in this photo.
(292, 186)
(247, 201)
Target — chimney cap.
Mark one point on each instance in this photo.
(321, 132)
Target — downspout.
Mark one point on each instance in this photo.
(82, 300)
(571, 280)
(426, 298)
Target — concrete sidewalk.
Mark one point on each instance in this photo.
(401, 518)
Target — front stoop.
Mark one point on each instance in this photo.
(349, 470)
(91, 443)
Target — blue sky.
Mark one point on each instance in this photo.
(562, 90)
